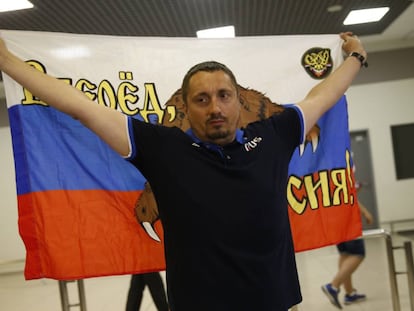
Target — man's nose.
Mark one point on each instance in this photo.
(215, 105)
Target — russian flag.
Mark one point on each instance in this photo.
(76, 200)
(76, 197)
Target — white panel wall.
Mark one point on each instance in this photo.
(11, 246)
(376, 107)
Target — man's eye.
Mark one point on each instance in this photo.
(201, 100)
(225, 95)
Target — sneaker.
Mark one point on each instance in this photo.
(332, 294)
(354, 297)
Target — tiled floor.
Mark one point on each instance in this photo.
(315, 268)
(372, 278)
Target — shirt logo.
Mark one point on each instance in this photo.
(250, 145)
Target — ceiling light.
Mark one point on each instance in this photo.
(365, 16)
(334, 8)
(72, 52)
(219, 32)
(14, 5)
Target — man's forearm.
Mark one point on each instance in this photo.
(107, 123)
(50, 90)
(325, 94)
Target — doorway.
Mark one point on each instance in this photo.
(361, 154)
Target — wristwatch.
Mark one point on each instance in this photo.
(361, 58)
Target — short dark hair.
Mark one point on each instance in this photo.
(209, 66)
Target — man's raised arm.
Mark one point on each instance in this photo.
(107, 123)
(325, 94)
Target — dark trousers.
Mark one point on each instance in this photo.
(156, 288)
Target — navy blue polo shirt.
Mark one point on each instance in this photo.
(228, 244)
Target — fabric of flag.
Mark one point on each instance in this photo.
(76, 197)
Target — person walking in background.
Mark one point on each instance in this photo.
(351, 255)
(156, 287)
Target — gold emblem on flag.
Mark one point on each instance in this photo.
(317, 62)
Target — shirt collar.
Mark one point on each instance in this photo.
(239, 136)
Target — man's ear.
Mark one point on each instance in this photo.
(238, 88)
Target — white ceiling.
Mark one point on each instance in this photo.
(181, 18)
(400, 34)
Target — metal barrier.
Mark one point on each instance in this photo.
(375, 233)
(393, 223)
(64, 295)
(391, 265)
(410, 271)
